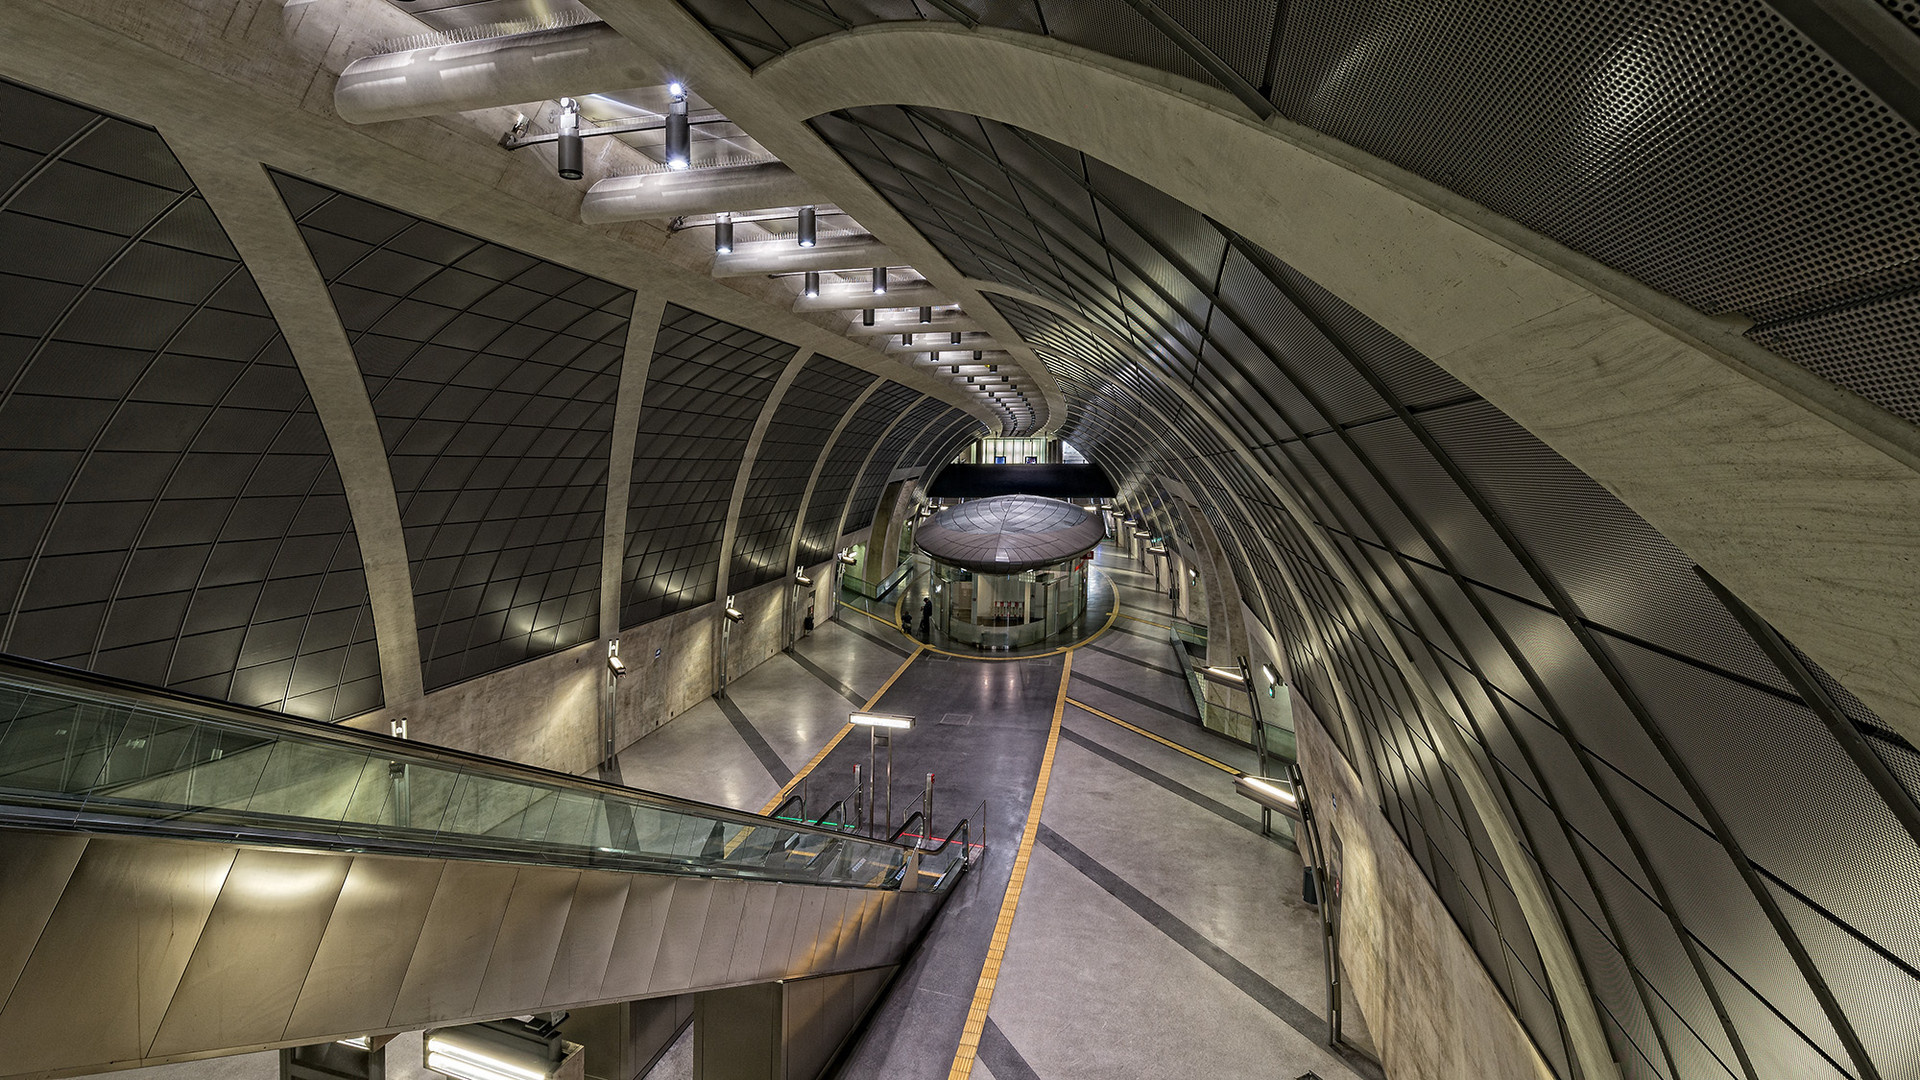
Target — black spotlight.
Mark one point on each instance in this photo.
(866, 317)
(954, 339)
(813, 283)
(679, 135)
(879, 281)
(926, 314)
(723, 236)
(906, 339)
(572, 152)
(806, 227)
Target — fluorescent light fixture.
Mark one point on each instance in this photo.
(807, 229)
(1273, 796)
(1225, 675)
(1272, 675)
(879, 281)
(812, 283)
(735, 614)
(881, 720)
(358, 1042)
(458, 1057)
(723, 236)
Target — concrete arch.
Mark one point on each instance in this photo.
(1798, 495)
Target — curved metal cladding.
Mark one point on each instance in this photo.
(1702, 802)
(492, 375)
(936, 433)
(170, 511)
(705, 389)
(887, 458)
(943, 452)
(796, 436)
(1788, 193)
(821, 530)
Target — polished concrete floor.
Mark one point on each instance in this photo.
(1157, 934)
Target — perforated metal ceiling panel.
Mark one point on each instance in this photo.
(1710, 149)
(792, 445)
(1609, 694)
(492, 374)
(830, 493)
(169, 508)
(886, 458)
(705, 389)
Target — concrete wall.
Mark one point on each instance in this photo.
(546, 712)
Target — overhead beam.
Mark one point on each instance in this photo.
(786, 257)
(490, 73)
(859, 296)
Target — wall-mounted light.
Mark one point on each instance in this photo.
(879, 281)
(734, 614)
(800, 577)
(807, 228)
(723, 236)
(848, 558)
(615, 665)
(1272, 675)
(572, 149)
(679, 134)
(1226, 675)
(812, 286)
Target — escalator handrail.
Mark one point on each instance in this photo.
(47, 677)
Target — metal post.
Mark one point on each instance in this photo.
(926, 808)
(1330, 953)
(889, 783)
(1259, 736)
(859, 798)
(873, 741)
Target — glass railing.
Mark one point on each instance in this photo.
(86, 753)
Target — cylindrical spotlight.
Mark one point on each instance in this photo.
(679, 135)
(866, 317)
(813, 283)
(723, 236)
(955, 338)
(807, 234)
(926, 314)
(572, 151)
(879, 281)
(906, 339)
(976, 356)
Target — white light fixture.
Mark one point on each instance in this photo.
(848, 558)
(801, 579)
(881, 720)
(1225, 675)
(1272, 675)
(616, 665)
(735, 614)
(469, 1054)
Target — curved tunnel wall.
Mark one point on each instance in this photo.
(1610, 695)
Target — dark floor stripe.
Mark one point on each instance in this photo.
(999, 1056)
(1245, 979)
(1136, 698)
(890, 646)
(820, 673)
(1137, 662)
(1161, 780)
(757, 742)
(1147, 635)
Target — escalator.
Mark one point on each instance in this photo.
(181, 879)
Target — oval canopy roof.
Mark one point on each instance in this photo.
(1009, 533)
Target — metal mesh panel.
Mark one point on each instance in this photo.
(170, 511)
(886, 458)
(842, 468)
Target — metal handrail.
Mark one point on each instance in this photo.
(796, 800)
(905, 825)
(839, 806)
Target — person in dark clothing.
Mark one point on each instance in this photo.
(926, 615)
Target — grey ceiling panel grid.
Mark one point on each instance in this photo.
(842, 467)
(886, 458)
(170, 512)
(935, 432)
(1477, 540)
(795, 437)
(492, 375)
(1712, 150)
(705, 389)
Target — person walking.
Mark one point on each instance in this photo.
(926, 616)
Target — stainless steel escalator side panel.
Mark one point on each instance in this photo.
(782, 925)
(37, 871)
(253, 952)
(444, 977)
(806, 933)
(750, 942)
(372, 935)
(586, 946)
(719, 932)
(529, 939)
(643, 921)
(680, 941)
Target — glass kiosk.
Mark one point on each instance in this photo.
(1011, 571)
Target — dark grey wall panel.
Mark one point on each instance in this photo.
(822, 527)
(170, 512)
(886, 458)
(1621, 711)
(810, 409)
(705, 389)
(493, 377)
(1715, 151)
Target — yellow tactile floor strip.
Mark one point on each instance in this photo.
(781, 795)
(1169, 743)
(997, 948)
